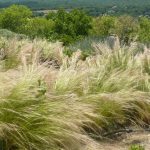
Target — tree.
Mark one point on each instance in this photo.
(64, 24)
(70, 26)
(103, 26)
(81, 22)
(39, 27)
(51, 15)
(0, 20)
(14, 17)
(144, 32)
(126, 28)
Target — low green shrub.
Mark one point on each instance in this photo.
(136, 147)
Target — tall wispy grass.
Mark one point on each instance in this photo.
(46, 108)
(108, 71)
(32, 119)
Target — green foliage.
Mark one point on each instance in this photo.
(71, 26)
(94, 7)
(51, 15)
(64, 26)
(103, 26)
(127, 28)
(136, 147)
(38, 27)
(14, 17)
(0, 20)
(144, 33)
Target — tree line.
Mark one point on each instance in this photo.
(75, 25)
(94, 7)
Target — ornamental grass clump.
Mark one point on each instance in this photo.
(29, 119)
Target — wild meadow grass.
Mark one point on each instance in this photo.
(44, 108)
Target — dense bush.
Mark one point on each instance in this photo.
(72, 26)
(38, 27)
(14, 17)
(144, 32)
(63, 26)
(95, 8)
(126, 27)
(103, 25)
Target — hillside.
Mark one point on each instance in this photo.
(95, 7)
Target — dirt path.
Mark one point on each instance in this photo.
(139, 138)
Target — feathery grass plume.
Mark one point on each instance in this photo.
(117, 111)
(69, 78)
(108, 71)
(146, 64)
(50, 51)
(69, 81)
(41, 51)
(120, 58)
(14, 52)
(9, 51)
(31, 120)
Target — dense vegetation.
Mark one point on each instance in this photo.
(72, 105)
(65, 86)
(69, 27)
(94, 7)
